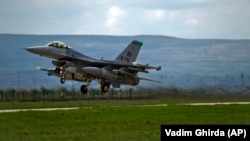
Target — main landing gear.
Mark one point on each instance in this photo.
(104, 88)
(84, 89)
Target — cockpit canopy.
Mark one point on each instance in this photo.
(58, 44)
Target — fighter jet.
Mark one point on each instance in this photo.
(73, 65)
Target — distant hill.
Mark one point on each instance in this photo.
(185, 62)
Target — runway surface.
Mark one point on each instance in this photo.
(157, 105)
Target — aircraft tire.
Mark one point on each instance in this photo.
(105, 88)
(62, 80)
(84, 89)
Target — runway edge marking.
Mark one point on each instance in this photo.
(152, 105)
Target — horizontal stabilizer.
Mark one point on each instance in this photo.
(149, 80)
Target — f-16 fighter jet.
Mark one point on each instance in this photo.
(73, 65)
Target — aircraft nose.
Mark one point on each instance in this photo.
(35, 50)
(30, 49)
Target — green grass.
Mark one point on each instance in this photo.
(106, 123)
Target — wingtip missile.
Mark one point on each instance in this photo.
(42, 69)
(158, 68)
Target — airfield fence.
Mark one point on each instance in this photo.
(171, 87)
(64, 94)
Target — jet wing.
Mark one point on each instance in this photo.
(132, 66)
(114, 63)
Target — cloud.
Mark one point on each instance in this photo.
(188, 19)
(114, 15)
(192, 21)
(115, 12)
(114, 21)
(156, 14)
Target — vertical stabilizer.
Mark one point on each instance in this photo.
(130, 53)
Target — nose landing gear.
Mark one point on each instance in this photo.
(62, 80)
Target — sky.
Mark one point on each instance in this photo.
(192, 19)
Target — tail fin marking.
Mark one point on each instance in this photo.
(130, 53)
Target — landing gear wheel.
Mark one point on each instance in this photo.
(84, 89)
(105, 88)
(62, 80)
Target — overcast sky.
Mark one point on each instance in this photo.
(179, 18)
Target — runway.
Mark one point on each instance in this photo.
(156, 105)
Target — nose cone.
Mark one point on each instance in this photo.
(36, 50)
(30, 49)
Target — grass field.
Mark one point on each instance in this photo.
(110, 120)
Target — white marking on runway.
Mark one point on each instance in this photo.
(40, 109)
(216, 103)
(156, 105)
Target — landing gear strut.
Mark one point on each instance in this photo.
(61, 71)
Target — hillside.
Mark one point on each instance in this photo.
(185, 62)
